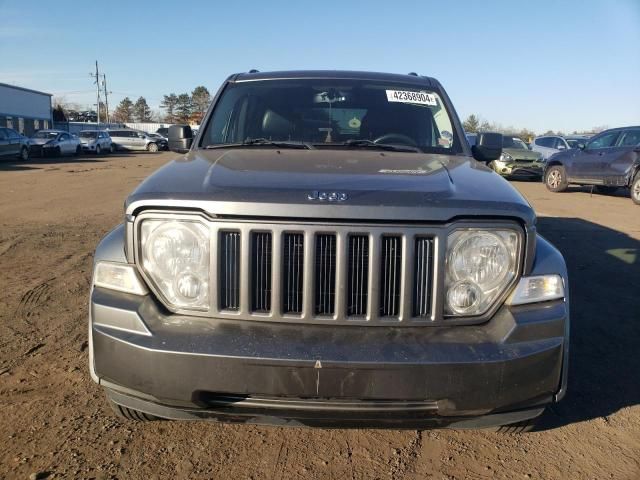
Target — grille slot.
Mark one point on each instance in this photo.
(325, 274)
(261, 271)
(423, 277)
(229, 270)
(292, 272)
(358, 275)
(390, 276)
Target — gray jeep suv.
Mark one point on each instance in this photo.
(330, 252)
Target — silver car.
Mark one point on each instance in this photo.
(547, 145)
(127, 139)
(97, 141)
(54, 142)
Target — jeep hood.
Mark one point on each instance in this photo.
(520, 154)
(380, 185)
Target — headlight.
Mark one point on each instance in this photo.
(480, 265)
(540, 288)
(505, 157)
(175, 256)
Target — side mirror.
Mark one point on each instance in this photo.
(561, 147)
(488, 147)
(581, 146)
(180, 138)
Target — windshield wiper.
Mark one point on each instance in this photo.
(363, 142)
(251, 142)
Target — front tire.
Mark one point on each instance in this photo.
(24, 154)
(57, 152)
(78, 151)
(556, 179)
(152, 147)
(112, 149)
(98, 150)
(635, 189)
(129, 414)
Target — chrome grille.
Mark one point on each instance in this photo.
(292, 272)
(358, 275)
(343, 274)
(390, 276)
(229, 269)
(260, 272)
(325, 274)
(422, 278)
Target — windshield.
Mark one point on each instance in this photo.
(88, 134)
(328, 113)
(46, 135)
(574, 142)
(510, 142)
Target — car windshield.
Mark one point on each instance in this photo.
(331, 114)
(516, 143)
(46, 135)
(88, 134)
(574, 142)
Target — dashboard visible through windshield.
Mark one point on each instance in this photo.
(331, 114)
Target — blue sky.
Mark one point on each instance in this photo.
(541, 65)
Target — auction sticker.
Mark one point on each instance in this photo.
(405, 96)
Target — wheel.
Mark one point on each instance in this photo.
(78, 150)
(556, 179)
(130, 414)
(98, 150)
(112, 148)
(24, 154)
(152, 147)
(635, 189)
(518, 427)
(602, 190)
(57, 152)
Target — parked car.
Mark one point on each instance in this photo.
(54, 142)
(163, 143)
(549, 144)
(13, 145)
(609, 160)
(323, 254)
(126, 139)
(574, 141)
(163, 132)
(516, 161)
(96, 141)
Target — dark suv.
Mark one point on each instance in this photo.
(608, 161)
(13, 145)
(330, 251)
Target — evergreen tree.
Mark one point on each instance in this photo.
(169, 103)
(124, 111)
(141, 111)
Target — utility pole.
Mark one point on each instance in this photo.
(97, 83)
(106, 95)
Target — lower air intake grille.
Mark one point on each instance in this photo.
(260, 272)
(229, 268)
(325, 274)
(358, 275)
(292, 272)
(390, 276)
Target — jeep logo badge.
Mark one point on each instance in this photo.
(327, 196)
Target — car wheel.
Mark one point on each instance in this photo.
(24, 154)
(556, 179)
(78, 150)
(635, 189)
(98, 150)
(130, 414)
(57, 152)
(603, 190)
(112, 148)
(152, 147)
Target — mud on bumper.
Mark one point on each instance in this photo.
(180, 367)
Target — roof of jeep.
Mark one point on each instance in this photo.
(336, 74)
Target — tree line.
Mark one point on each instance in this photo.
(181, 108)
(474, 124)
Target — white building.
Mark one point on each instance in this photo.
(24, 110)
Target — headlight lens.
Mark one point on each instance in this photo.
(175, 256)
(480, 265)
(505, 157)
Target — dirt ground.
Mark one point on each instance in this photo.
(55, 423)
